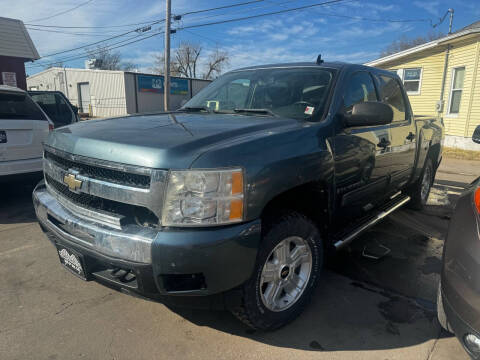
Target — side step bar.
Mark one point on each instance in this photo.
(368, 224)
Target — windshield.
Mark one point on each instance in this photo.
(299, 93)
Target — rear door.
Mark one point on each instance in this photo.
(402, 129)
(23, 127)
(362, 163)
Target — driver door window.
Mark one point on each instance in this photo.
(360, 89)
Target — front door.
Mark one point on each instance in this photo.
(362, 154)
(402, 130)
(84, 97)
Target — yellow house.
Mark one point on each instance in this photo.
(443, 77)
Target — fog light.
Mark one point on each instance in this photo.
(472, 343)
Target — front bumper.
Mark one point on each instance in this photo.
(164, 261)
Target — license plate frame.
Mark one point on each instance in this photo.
(72, 261)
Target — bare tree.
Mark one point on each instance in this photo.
(187, 62)
(404, 43)
(216, 62)
(106, 59)
(186, 58)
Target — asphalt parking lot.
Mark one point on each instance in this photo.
(363, 308)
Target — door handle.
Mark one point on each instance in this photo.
(410, 136)
(384, 143)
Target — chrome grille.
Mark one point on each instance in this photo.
(100, 173)
(94, 203)
(107, 191)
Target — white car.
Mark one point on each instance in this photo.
(24, 126)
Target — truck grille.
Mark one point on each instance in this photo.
(132, 213)
(100, 173)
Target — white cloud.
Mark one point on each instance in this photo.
(432, 7)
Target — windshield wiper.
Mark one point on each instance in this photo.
(256, 111)
(195, 109)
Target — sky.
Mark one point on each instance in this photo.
(292, 36)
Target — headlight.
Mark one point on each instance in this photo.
(206, 197)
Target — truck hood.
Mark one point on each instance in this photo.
(162, 141)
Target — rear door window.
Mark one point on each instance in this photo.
(19, 106)
(391, 94)
(55, 106)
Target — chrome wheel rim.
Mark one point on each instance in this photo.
(426, 183)
(286, 273)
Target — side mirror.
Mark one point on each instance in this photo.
(75, 109)
(369, 113)
(476, 135)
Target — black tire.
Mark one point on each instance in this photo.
(253, 312)
(417, 193)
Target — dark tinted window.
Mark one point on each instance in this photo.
(391, 94)
(15, 105)
(360, 89)
(55, 106)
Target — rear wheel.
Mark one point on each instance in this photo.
(286, 272)
(421, 189)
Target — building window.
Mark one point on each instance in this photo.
(456, 90)
(412, 79)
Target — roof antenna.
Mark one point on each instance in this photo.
(319, 59)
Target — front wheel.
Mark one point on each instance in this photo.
(286, 272)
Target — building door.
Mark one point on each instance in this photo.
(84, 97)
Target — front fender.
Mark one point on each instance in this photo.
(274, 164)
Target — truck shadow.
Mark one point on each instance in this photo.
(363, 303)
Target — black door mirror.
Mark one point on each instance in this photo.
(369, 113)
(476, 135)
(75, 109)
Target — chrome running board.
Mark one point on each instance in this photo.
(368, 224)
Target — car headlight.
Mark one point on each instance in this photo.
(203, 197)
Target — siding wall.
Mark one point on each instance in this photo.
(16, 65)
(463, 53)
(107, 88)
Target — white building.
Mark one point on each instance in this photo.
(106, 93)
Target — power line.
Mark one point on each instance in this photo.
(90, 27)
(63, 12)
(264, 14)
(94, 52)
(100, 41)
(222, 7)
(71, 33)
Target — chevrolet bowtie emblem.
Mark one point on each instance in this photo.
(72, 183)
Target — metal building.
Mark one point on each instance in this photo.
(105, 93)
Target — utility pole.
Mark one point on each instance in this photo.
(166, 75)
(451, 21)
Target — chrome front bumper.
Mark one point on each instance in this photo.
(131, 242)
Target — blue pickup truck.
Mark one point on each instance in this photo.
(236, 199)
